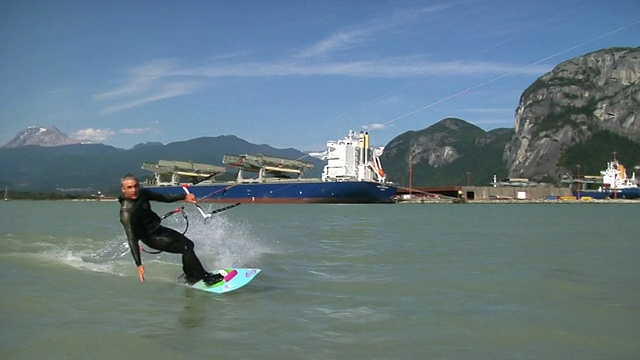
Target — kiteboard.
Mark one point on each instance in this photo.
(233, 280)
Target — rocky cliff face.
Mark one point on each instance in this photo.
(34, 135)
(594, 92)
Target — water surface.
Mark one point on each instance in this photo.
(470, 281)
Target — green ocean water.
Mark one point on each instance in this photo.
(395, 281)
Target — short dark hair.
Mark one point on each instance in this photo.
(129, 177)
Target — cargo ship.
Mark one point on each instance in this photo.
(353, 174)
(615, 184)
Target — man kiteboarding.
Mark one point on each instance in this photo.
(141, 223)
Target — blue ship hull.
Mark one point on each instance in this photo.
(633, 193)
(343, 192)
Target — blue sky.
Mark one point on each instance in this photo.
(285, 73)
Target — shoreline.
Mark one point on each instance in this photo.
(427, 201)
(521, 201)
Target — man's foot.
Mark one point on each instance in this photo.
(212, 279)
(191, 280)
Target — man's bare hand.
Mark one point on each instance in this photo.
(141, 273)
(190, 198)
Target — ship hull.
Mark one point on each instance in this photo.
(344, 192)
(629, 194)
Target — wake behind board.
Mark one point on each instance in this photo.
(234, 280)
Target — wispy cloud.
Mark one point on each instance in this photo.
(102, 135)
(153, 81)
(137, 131)
(94, 135)
(375, 126)
(141, 89)
(167, 78)
(164, 91)
(366, 32)
(140, 79)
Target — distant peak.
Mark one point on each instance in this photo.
(40, 136)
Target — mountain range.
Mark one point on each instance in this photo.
(574, 117)
(579, 113)
(98, 167)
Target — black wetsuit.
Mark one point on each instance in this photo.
(141, 223)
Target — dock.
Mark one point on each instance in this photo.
(541, 192)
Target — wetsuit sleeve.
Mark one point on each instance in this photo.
(164, 197)
(125, 219)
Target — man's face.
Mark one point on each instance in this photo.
(130, 189)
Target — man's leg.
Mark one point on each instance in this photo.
(171, 241)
